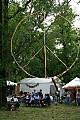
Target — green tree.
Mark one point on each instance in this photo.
(29, 38)
(60, 32)
(4, 50)
(5, 56)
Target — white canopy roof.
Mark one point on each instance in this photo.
(72, 84)
(36, 80)
(11, 83)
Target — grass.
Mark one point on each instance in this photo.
(59, 112)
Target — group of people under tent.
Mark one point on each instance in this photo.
(36, 98)
(32, 99)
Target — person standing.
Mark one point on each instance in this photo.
(68, 97)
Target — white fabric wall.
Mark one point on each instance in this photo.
(45, 88)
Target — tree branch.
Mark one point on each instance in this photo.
(27, 3)
(20, 10)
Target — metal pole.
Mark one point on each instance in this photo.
(9, 87)
(44, 48)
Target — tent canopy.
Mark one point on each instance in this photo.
(72, 84)
(11, 83)
(35, 80)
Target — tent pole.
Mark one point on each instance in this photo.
(77, 96)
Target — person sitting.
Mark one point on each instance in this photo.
(41, 98)
(47, 99)
(40, 93)
(55, 99)
(9, 106)
(29, 99)
(32, 100)
(36, 99)
(15, 99)
(17, 105)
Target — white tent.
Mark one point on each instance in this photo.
(46, 84)
(75, 83)
(29, 84)
(11, 83)
(39, 80)
(35, 80)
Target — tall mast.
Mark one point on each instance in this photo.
(44, 48)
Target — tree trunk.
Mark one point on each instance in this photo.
(55, 84)
(3, 50)
(0, 51)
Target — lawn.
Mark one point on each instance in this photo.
(59, 112)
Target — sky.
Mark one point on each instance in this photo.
(76, 9)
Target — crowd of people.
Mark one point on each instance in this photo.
(29, 99)
(71, 97)
(36, 98)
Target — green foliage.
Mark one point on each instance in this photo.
(29, 37)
